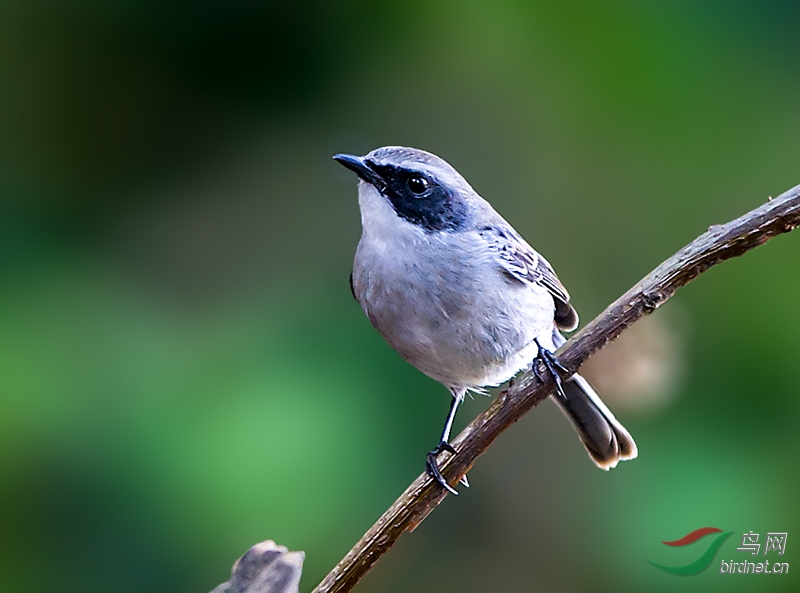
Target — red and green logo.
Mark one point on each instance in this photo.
(705, 558)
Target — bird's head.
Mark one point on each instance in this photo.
(420, 187)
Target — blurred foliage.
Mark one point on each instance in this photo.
(184, 372)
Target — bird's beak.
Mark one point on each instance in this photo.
(361, 167)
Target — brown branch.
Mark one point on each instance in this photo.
(719, 243)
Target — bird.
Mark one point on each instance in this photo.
(461, 296)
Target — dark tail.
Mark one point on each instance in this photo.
(605, 439)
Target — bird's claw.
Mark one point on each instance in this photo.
(552, 365)
(432, 467)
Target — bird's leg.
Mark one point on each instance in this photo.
(552, 365)
(431, 466)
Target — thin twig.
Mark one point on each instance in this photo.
(719, 243)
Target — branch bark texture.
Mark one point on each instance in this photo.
(719, 243)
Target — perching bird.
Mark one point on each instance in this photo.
(459, 294)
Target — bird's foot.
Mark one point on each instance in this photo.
(432, 467)
(552, 365)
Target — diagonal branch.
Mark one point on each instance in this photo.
(719, 243)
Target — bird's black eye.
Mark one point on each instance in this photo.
(417, 184)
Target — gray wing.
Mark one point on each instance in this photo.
(520, 262)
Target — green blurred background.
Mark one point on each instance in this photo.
(183, 371)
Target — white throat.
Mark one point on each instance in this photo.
(380, 222)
